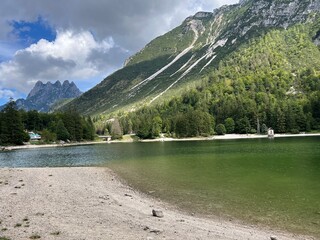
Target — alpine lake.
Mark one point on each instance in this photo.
(265, 182)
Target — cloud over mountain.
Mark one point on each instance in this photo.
(93, 38)
(71, 56)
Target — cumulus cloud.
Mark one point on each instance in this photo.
(131, 23)
(72, 56)
(93, 37)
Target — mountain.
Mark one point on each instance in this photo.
(190, 53)
(44, 95)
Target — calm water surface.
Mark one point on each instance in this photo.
(269, 182)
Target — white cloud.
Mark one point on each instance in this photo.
(93, 38)
(5, 93)
(72, 56)
(131, 23)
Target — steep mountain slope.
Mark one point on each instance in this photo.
(43, 96)
(191, 51)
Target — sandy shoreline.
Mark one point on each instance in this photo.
(164, 139)
(92, 203)
(230, 137)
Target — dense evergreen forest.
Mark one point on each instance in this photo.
(15, 125)
(273, 81)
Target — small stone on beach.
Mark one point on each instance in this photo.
(156, 231)
(273, 238)
(157, 213)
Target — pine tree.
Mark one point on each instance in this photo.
(12, 127)
(281, 122)
(61, 131)
(116, 131)
(156, 126)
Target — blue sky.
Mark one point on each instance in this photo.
(28, 33)
(80, 41)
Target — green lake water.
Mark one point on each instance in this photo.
(260, 181)
(264, 182)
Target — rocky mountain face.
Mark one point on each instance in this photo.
(193, 50)
(44, 95)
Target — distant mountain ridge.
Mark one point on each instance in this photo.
(44, 95)
(194, 50)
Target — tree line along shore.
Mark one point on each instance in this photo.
(67, 126)
(188, 116)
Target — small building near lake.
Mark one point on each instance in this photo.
(270, 133)
(34, 136)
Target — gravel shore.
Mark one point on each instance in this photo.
(92, 203)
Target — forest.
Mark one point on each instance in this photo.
(270, 81)
(273, 81)
(233, 107)
(67, 126)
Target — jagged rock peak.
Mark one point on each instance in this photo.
(37, 87)
(66, 83)
(56, 84)
(42, 96)
(39, 83)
